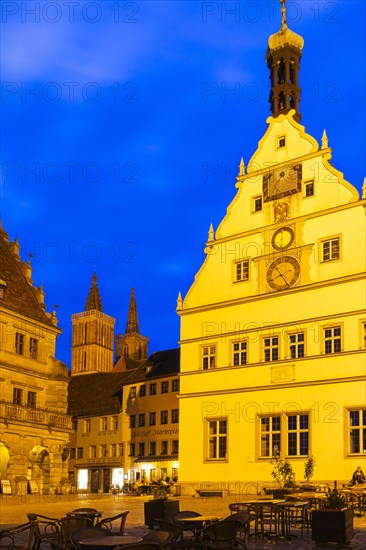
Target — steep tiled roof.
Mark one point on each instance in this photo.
(101, 393)
(164, 363)
(19, 295)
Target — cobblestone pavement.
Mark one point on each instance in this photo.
(13, 510)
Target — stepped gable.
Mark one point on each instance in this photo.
(19, 294)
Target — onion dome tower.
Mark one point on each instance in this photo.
(283, 59)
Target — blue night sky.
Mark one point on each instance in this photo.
(120, 139)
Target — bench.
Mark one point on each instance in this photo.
(210, 493)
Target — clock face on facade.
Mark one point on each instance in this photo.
(283, 238)
(282, 182)
(283, 273)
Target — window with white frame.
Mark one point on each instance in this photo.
(33, 348)
(297, 345)
(152, 419)
(240, 353)
(217, 439)
(103, 424)
(87, 425)
(331, 250)
(175, 446)
(133, 392)
(309, 188)
(175, 416)
(271, 348)
(113, 449)
(163, 417)
(114, 422)
(175, 384)
(152, 450)
(141, 420)
(242, 270)
(19, 343)
(142, 391)
(208, 357)
(270, 436)
(332, 339)
(363, 335)
(120, 449)
(357, 431)
(17, 396)
(103, 451)
(257, 204)
(164, 447)
(298, 434)
(93, 451)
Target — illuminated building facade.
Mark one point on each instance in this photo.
(34, 425)
(273, 328)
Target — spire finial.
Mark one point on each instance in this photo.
(241, 167)
(94, 300)
(132, 320)
(283, 12)
(324, 140)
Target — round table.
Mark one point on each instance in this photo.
(112, 540)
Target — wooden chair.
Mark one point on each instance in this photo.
(177, 539)
(90, 513)
(69, 524)
(244, 532)
(139, 546)
(107, 523)
(186, 526)
(45, 529)
(87, 533)
(162, 538)
(8, 537)
(267, 521)
(221, 535)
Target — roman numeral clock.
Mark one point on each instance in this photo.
(282, 266)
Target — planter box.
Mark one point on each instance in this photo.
(331, 525)
(159, 508)
(281, 493)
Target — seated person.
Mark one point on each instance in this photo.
(358, 477)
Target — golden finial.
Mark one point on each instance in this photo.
(283, 11)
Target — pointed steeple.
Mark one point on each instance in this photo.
(283, 59)
(324, 140)
(132, 320)
(94, 300)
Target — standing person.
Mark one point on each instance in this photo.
(358, 477)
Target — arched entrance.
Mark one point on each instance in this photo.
(4, 461)
(39, 469)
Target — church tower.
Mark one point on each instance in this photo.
(283, 60)
(131, 345)
(92, 336)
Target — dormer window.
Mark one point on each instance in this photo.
(281, 142)
(2, 288)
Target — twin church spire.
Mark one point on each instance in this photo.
(93, 338)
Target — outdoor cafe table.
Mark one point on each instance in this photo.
(199, 522)
(112, 540)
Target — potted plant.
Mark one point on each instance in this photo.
(284, 474)
(159, 507)
(308, 474)
(333, 522)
